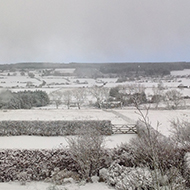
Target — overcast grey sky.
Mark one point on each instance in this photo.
(94, 30)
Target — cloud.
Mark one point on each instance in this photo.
(94, 30)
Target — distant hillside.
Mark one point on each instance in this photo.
(105, 69)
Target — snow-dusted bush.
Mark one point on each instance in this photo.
(103, 175)
(52, 128)
(124, 155)
(63, 176)
(174, 179)
(155, 150)
(159, 154)
(133, 178)
(87, 150)
(124, 178)
(181, 132)
(187, 168)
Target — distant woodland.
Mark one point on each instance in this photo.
(95, 70)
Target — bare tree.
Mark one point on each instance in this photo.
(157, 94)
(135, 93)
(133, 88)
(67, 97)
(100, 94)
(86, 150)
(173, 99)
(79, 95)
(56, 97)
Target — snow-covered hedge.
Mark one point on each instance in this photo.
(52, 128)
(36, 165)
(32, 164)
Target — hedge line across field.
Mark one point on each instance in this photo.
(37, 165)
(32, 164)
(52, 128)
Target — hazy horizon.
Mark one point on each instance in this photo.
(94, 31)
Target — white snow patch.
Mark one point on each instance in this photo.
(45, 186)
(38, 142)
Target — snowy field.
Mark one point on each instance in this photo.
(181, 73)
(30, 142)
(117, 116)
(17, 82)
(36, 142)
(164, 117)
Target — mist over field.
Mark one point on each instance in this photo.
(94, 31)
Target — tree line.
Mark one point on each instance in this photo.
(99, 97)
(119, 96)
(104, 69)
(23, 99)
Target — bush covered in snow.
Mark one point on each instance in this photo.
(133, 178)
(155, 150)
(64, 176)
(52, 128)
(137, 153)
(124, 178)
(87, 150)
(161, 156)
(187, 168)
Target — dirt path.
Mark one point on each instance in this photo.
(125, 118)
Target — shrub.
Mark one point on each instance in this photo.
(88, 152)
(181, 132)
(154, 149)
(124, 178)
(124, 155)
(59, 177)
(132, 178)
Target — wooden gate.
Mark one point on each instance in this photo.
(124, 129)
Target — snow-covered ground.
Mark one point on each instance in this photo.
(181, 72)
(159, 119)
(36, 142)
(60, 114)
(18, 82)
(49, 186)
(164, 117)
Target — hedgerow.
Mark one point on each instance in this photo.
(37, 165)
(52, 128)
